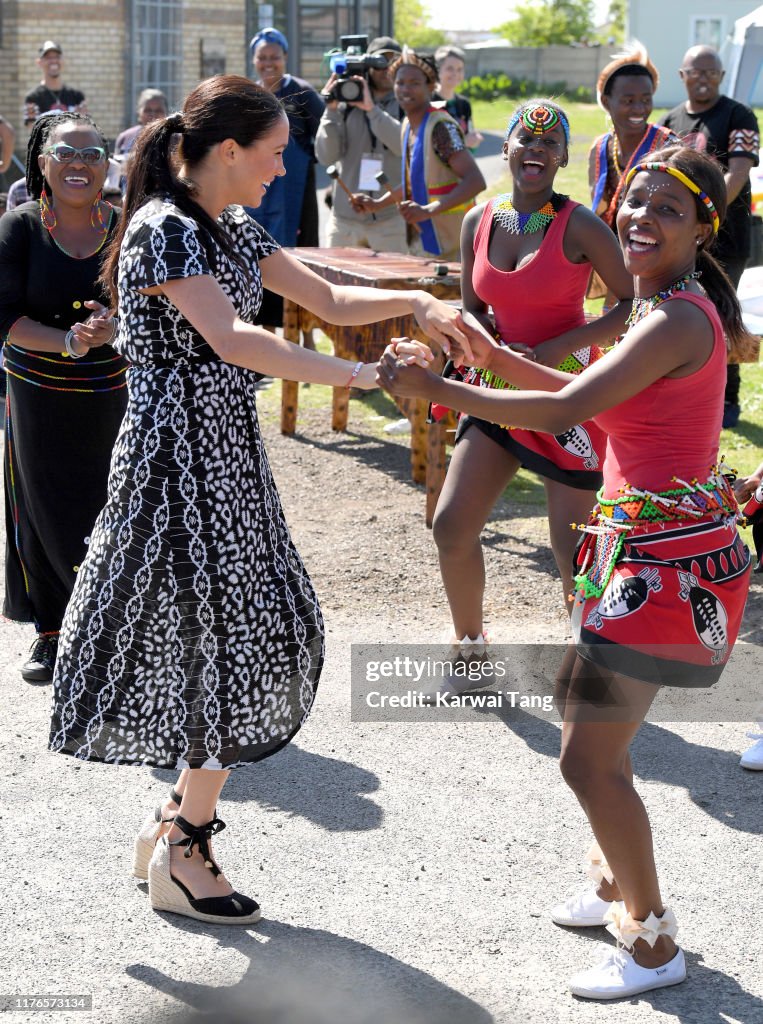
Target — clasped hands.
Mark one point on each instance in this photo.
(403, 369)
(99, 328)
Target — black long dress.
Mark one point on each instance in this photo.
(193, 637)
(62, 418)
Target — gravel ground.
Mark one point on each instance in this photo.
(405, 870)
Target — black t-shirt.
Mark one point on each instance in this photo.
(729, 129)
(459, 108)
(42, 99)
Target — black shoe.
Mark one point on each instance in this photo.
(731, 413)
(42, 659)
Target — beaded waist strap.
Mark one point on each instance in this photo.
(612, 518)
(101, 370)
(575, 363)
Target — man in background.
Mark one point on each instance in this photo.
(728, 130)
(151, 106)
(51, 93)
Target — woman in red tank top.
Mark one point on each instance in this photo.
(527, 256)
(662, 573)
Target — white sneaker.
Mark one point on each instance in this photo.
(753, 758)
(618, 976)
(398, 427)
(586, 910)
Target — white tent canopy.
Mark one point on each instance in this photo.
(743, 59)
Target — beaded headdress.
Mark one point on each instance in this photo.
(636, 57)
(539, 118)
(680, 176)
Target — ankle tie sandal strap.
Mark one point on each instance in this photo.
(198, 835)
(626, 929)
(598, 868)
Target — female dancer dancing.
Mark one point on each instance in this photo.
(528, 255)
(194, 638)
(662, 557)
(63, 411)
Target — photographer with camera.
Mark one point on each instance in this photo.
(361, 136)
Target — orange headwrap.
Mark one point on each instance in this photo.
(637, 57)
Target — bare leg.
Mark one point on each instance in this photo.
(596, 766)
(200, 796)
(478, 472)
(566, 505)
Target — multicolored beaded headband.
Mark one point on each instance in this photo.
(539, 120)
(680, 176)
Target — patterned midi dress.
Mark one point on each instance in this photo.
(193, 637)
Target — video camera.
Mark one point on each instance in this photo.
(348, 63)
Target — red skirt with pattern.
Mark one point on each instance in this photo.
(672, 608)
(573, 458)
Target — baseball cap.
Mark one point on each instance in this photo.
(49, 45)
(384, 44)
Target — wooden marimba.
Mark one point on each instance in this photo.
(367, 342)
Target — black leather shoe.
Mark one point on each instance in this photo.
(42, 659)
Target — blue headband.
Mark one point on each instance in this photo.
(269, 35)
(519, 114)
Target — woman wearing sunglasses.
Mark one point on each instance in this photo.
(66, 384)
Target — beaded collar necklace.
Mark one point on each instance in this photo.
(642, 307)
(517, 223)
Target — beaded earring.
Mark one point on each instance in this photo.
(96, 214)
(47, 213)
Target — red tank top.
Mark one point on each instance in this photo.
(672, 427)
(541, 300)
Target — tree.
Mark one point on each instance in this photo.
(617, 15)
(412, 26)
(545, 22)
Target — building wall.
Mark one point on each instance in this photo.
(95, 38)
(214, 40)
(547, 65)
(666, 28)
(92, 36)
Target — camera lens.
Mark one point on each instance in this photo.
(349, 91)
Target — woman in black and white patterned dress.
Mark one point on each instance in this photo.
(193, 639)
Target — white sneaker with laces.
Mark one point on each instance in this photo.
(619, 976)
(752, 758)
(586, 910)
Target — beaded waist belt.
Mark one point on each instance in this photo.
(103, 371)
(575, 363)
(612, 518)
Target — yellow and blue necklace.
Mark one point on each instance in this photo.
(517, 223)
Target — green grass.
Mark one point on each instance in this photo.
(742, 447)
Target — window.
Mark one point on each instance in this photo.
(157, 34)
(708, 31)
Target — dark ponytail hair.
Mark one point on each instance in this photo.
(219, 108)
(707, 174)
(45, 125)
